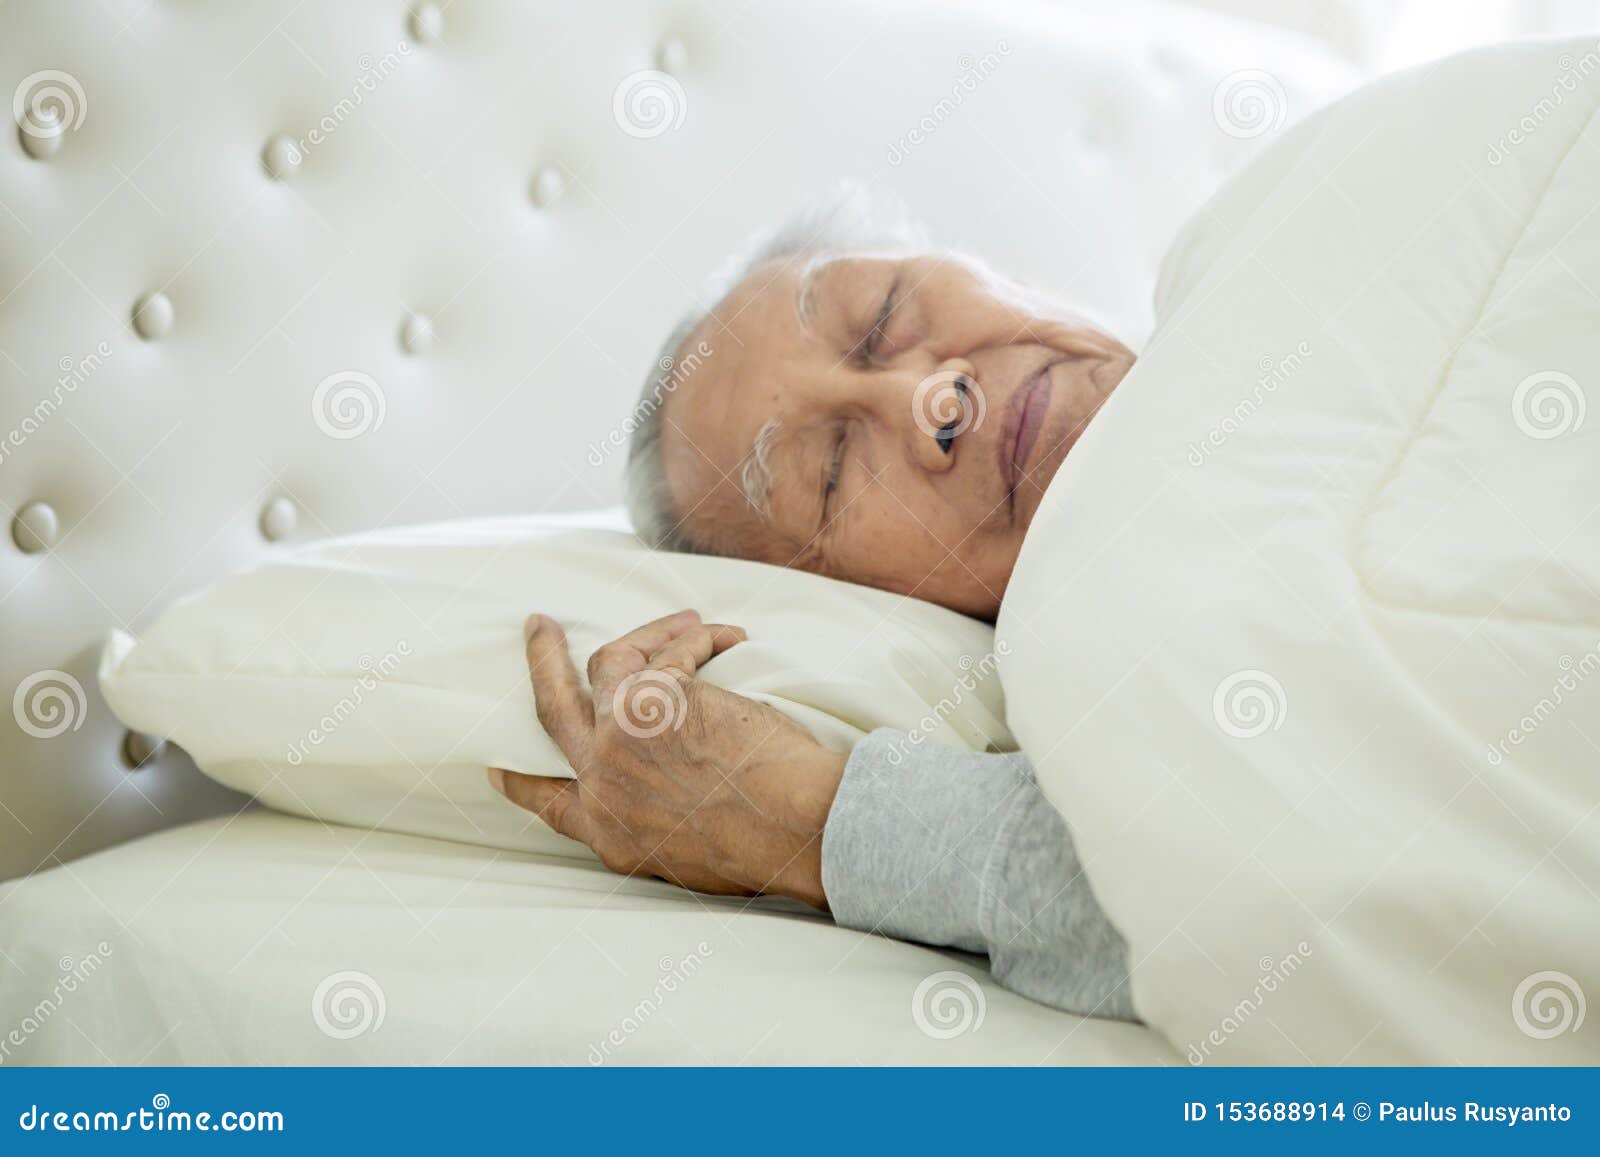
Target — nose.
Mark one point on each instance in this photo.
(940, 408)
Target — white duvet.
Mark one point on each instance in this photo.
(1305, 642)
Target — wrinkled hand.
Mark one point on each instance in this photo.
(677, 778)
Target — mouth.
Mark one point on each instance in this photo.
(1025, 417)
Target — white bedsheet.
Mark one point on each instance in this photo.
(209, 944)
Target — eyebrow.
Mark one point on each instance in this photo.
(755, 477)
(805, 304)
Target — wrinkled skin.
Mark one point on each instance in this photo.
(899, 385)
(712, 791)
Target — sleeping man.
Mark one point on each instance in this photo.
(878, 413)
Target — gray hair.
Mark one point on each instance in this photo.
(851, 221)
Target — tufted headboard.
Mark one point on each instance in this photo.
(272, 271)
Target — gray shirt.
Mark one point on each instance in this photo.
(961, 849)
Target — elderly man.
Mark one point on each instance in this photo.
(887, 416)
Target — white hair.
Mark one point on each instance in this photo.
(851, 221)
(756, 477)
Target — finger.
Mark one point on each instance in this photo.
(725, 636)
(555, 801)
(653, 635)
(565, 710)
(692, 649)
(618, 659)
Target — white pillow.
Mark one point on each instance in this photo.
(371, 680)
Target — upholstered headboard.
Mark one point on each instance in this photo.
(272, 271)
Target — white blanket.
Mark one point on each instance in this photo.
(1305, 642)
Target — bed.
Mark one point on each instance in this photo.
(260, 938)
(217, 218)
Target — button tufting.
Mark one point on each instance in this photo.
(416, 334)
(279, 519)
(152, 316)
(35, 528)
(548, 185)
(671, 55)
(426, 23)
(139, 749)
(281, 157)
(48, 105)
(41, 134)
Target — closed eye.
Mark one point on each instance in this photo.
(835, 469)
(867, 347)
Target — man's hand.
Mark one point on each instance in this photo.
(677, 778)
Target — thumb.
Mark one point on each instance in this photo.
(553, 800)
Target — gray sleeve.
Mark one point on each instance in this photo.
(962, 849)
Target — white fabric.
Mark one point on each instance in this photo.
(266, 939)
(1311, 666)
(372, 680)
(447, 308)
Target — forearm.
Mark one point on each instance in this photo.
(961, 849)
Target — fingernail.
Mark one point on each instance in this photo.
(497, 780)
(530, 627)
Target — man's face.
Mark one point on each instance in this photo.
(892, 421)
